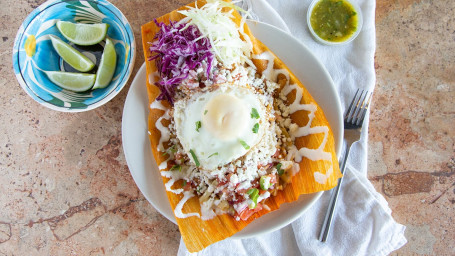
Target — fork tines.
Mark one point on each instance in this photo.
(358, 108)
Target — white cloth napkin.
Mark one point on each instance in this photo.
(362, 224)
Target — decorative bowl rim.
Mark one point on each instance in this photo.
(125, 75)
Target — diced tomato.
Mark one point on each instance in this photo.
(272, 178)
(225, 191)
(178, 156)
(229, 195)
(241, 191)
(170, 164)
(277, 153)
(247, 212)
(226, 180)
(187, 186)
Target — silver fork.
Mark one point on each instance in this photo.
(353, 121)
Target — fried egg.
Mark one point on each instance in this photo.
(217, 127)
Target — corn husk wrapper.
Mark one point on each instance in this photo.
(198, 234)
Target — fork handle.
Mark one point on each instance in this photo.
(333, 200)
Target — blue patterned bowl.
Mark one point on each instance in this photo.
(33, 52)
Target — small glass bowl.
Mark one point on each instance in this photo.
(353, 36)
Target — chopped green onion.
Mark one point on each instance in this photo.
(244, 144)
(171, 149)
(196, 161)
(263, 183)
(254, 113)
(214, 154)
(254, 194)
(279, 170)
(256, 128)
(250, 191)
(255, 198)
(198, 125)
(184, 183)
(176, 167)
(205, 112)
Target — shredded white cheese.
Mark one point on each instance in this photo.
(222, 32)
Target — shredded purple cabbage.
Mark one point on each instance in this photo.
(176, 52)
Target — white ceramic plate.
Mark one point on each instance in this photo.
(139, 156)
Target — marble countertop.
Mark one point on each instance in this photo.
(66, 188)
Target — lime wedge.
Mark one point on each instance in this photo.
(83, 34)
(77, 82)
(107, 66)
(72, 56)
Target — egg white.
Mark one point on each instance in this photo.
(226, 124)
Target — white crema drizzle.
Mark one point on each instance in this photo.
(165, 134)
(173, 176)
(270, 73)
(178, 208)
(312, 154)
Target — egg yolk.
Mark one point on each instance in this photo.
(225, 117)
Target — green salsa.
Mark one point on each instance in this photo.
(334, 20)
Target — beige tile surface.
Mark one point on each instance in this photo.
(412, 130)
(66, 188)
